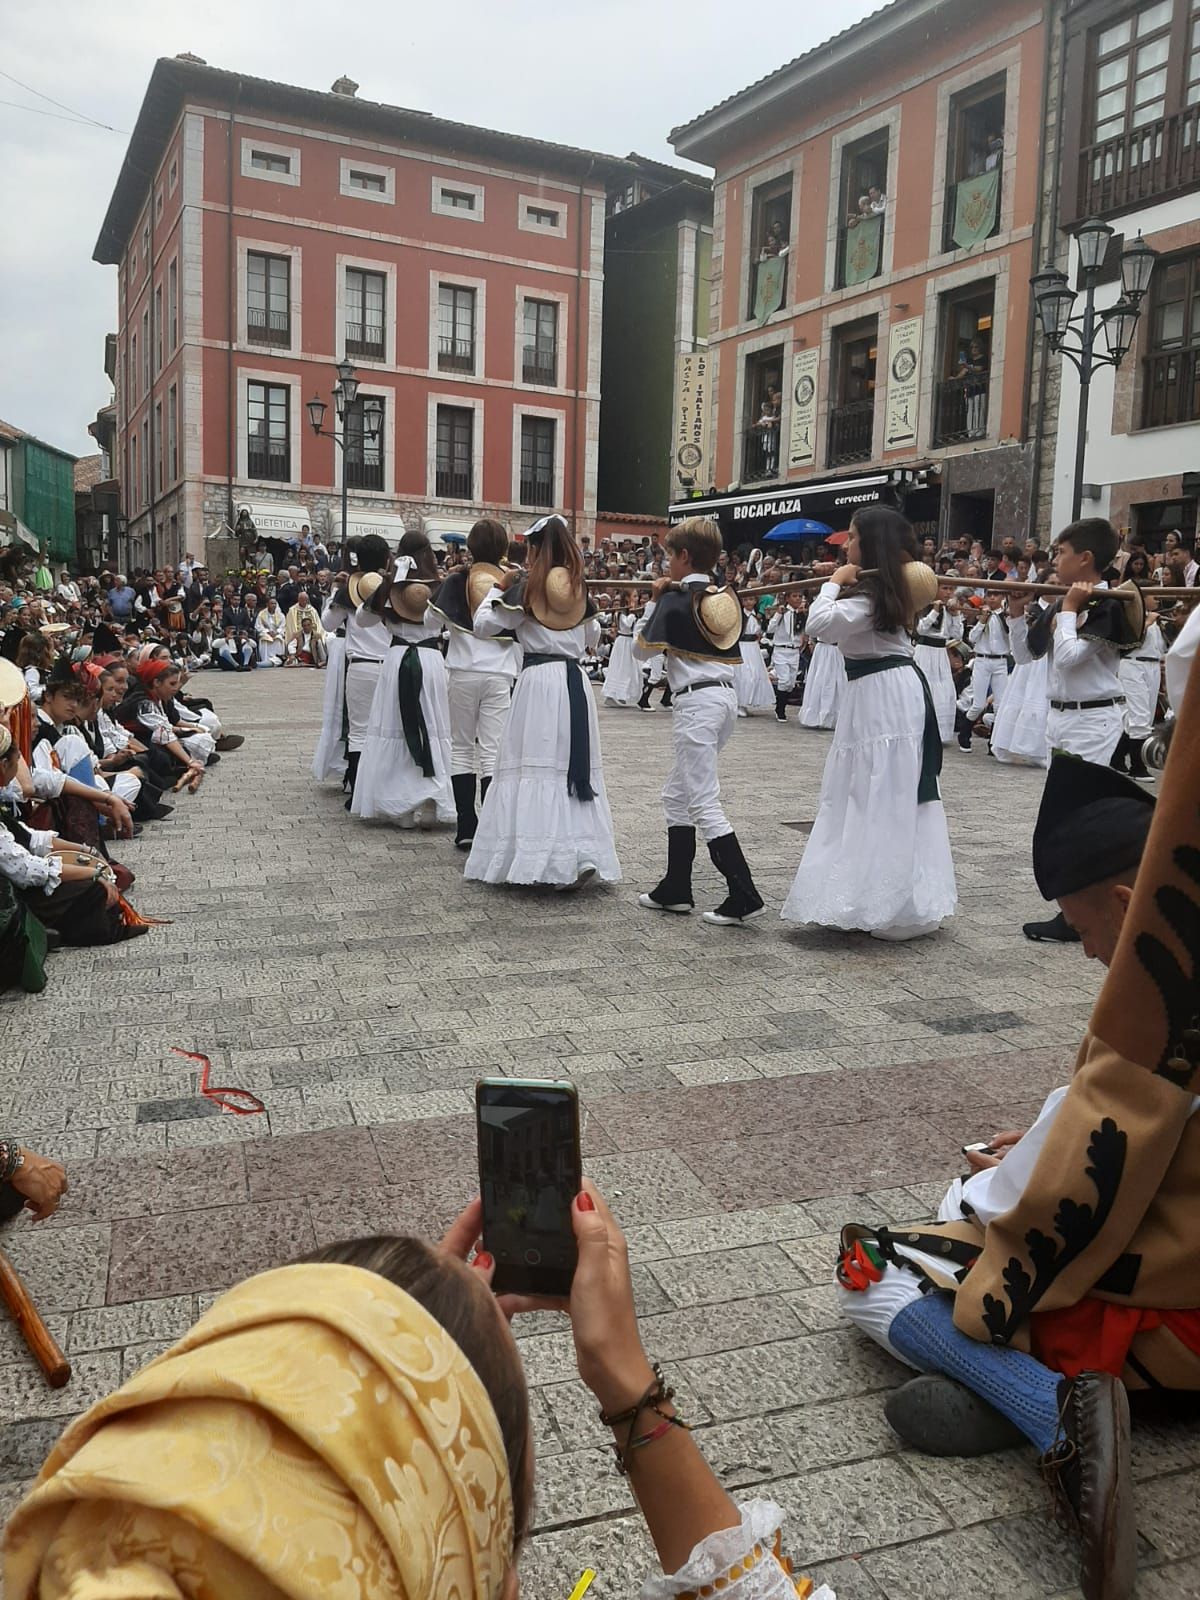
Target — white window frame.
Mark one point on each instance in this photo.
(249, 170)
(542, 202)
(173, 175)
(388, 269)
(436, 279)
(888, 119)
(388, 396)
(461, 402)
(442, 209)
(270, 247)
(245, 377)
(559, 416)
(385, 197)
(528, 292)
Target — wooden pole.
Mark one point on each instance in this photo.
(31, 1327)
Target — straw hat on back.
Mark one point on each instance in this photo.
(719, 617)
(362, 586)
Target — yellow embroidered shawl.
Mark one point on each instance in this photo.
(317, 1433)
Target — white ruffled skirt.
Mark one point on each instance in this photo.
(934, 663)
(1019, 734)
(329, 758)
(390, 785)
(753, 685)
(876, 860)
(623, 674)
(530, 829)
(823, 687)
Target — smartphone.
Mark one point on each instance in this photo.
(980, 1149)
(530, 1171)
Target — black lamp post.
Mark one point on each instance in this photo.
(345, 392)
(1055, 301)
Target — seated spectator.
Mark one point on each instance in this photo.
(143, 712)
(234, 652)
(121, 750)
(269, 627)
(304, 636)
(373, 1398)
(35, 658)
(58, 746)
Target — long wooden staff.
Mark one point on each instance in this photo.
(31, 1327)
(997, 585)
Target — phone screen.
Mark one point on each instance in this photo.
(529, 1174)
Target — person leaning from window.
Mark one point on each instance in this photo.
(775, 243)
(418, 1424)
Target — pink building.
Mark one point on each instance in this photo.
(262, 232)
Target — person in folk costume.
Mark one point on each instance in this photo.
(1064, 1271)
(350, 687)
(187, 715)
(482, 672)
(1141, 674)
(786, 628)
(936, 628)
(825, 681)
(545, 818)
(654, 675)
(404, 771)
(878, 858)
(698, 626)
(1083, 644)
(992, 660)
(753, 685)
(623, 675)
(1019, 734)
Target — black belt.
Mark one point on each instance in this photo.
(365, 661)
(705, 683)
(1155, 659)
(579, 757)
(933, 644)
(1087, 705)
(988, 655)
(339, 633)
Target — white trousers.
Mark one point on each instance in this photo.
(202, 717)
(987, 678)
(701, 722)
(785, 660)
(361, 678)
(479, 704)
(125, 785)
(198, 746)
(1093, 734)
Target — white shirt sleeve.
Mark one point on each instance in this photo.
(25, 869)
(488, 622)
(832, 618)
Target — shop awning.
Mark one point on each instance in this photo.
(274, 517)
(745, 516)
(387, 525)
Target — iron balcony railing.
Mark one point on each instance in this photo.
(365, 339)
(1171, 387)
(539, 364)
(760, 454)
(456, 355)
(452, 484)
(961, 411)
(537, 491)
(364, 474)
(1160, 158)
(268, 327)
(850, 432)
(271, 462)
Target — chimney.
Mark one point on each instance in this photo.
(186, 55)
(346, 86)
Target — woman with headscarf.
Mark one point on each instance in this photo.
(356, 1427)
(546, 818)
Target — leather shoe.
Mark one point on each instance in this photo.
(1056, 931)
(1089, 1472)
(231, 741)
(940, 1417)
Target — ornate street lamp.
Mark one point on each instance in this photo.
(345, 392)
(1073, 335)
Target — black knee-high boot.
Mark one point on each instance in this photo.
(674, 891)
(666, 701)
(644, 702)
(352, 759)
(1122, 755)
(743, 900)
(484, 785)
(463, 784)
(781, 700)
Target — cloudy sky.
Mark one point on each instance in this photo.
(612, 75)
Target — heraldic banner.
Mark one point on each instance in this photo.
(975, 202)
(769, 279)
(863, 239)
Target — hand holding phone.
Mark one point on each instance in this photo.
(530, 1171)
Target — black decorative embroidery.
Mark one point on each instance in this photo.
(1077, 1225)
(1180, 1059)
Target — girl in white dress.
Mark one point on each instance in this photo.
(404, 773)
(1141, 675)
(357, 645)
(878, 858)
(935, 629)
(753, 684)
(546, 818)
(824, 685)
(623, 675)
(1019, 735)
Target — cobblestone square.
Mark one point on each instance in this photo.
(745, 1091)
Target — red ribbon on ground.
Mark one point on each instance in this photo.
(225, 1098)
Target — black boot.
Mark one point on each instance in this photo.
(463, 784)
(644, 702)
(674, 891)
(348, 782)
(484, 785)
(1137, 762)
(1057, 931)
(666, 701)
(781, 700)
(743, 900)
(1119, 760)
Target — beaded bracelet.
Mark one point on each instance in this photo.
(657, 1395)
(11, 1159)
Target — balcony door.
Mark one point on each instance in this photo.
(974, 163)
(764, 408)
(852, 413)
(965, 346)
(1171, 366)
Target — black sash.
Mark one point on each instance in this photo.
(412, 718)
(931, 739)
(579, 759)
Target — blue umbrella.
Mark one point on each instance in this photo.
(797, 528)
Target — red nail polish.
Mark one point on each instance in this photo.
(483, 1261)
(586, 1203)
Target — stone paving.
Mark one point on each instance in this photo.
(744, 1092)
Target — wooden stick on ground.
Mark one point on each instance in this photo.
(31, 1327)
